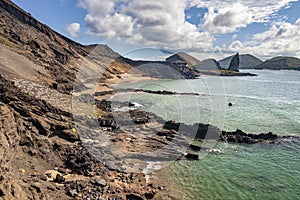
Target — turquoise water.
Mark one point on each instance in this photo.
(241, 172)
(268, 102)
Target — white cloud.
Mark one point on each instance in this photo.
(117, 25)
(281, 39)
(145, 22)
(73, 29)
(279, 30)
(98, 8)
(260, 10)
(236, 46)
(102, 19)
(183, 38)
(148, 13)
(227, 19)
(163, 24)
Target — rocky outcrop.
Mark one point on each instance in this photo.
(198, 131)
(241, 137)
(40, 152)
(191, 156)
(131, 90)
(235, 63)
(235, 73)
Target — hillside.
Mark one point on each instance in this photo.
(54, 58)
(280, 63)
(183, 57)
(247, 61)
(43, 154)
(208, 64)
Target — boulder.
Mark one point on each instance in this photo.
(191, 156)
(194, 147)
(59, 179)
(133, 197)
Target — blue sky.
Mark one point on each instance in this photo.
(203, 28)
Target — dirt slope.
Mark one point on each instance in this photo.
(41, 155)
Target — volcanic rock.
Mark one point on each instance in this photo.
(235, 63)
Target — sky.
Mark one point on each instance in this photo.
(139, 29)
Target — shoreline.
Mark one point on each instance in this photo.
(62, 120)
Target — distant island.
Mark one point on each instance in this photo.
(248, 61)
(280, 63)
(191, 67)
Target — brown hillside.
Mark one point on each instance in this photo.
(41, 152)
(49, 56)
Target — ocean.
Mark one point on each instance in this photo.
(269, 102)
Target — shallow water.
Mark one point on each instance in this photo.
(268, 102)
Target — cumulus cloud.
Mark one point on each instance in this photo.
(227, 19)
(98, 8)
(167, 13)
(260, 10)
(102, 19)
(117, 25)
(279, 30)
(173, 39)
(236, 46)
(280, 39)
(229, 15)
(164, 24)
(145, 22)
(73, 29)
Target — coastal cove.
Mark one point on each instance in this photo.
(178, 101)
(268, 102)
